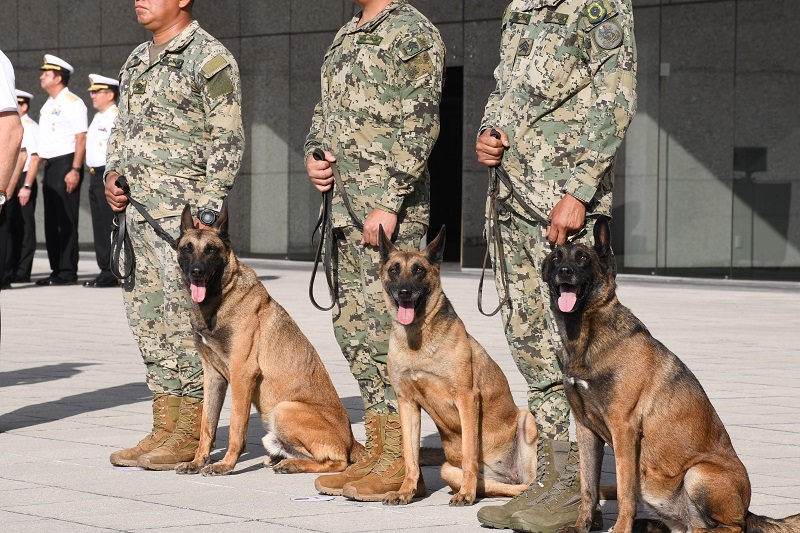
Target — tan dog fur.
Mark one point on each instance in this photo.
(247, 339)
(434, 364)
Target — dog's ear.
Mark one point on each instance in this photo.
(221, 225)
(435, 250)
(187, 222)
(385, 245)
(602, 236)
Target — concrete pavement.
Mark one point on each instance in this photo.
(72, 391)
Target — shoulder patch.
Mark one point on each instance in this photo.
(596, 12)
(413, 46)
(71, 97)
(214, 65)
(368, 38)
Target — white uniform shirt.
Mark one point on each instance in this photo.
(60, 119)
(97, 137)
(29, 138)
(8, 96)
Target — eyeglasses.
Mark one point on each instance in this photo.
(98, 91)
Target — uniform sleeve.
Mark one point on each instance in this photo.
(491, 114)
(314, 137)
(222, 96)
(613, 100)
(78, 118)
(421, 71)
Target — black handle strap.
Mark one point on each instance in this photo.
(325, 244)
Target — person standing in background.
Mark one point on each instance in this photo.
(62, 144)
(104, 92)
(21, 207)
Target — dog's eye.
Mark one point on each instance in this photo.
(417, 270)
(211, 250)
(187, 248)
(394, 269)
(583, 258)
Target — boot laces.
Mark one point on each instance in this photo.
(568, 478)
(392, 447)
(541, 469)
(184, 425)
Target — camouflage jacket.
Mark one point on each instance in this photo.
(178, 137)
(565, 95)
(379, 113)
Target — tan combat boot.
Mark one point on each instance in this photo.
(388, 473)
(332, 484)
(165, 414)
(182, 444)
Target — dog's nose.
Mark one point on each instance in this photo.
(405, 292)
(565, 271)
(197, 272)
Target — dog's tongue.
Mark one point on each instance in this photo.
(198, 290)
(568, 298)
(405, 312)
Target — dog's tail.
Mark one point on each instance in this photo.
(763, 524)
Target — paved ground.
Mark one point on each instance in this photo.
(72, 391)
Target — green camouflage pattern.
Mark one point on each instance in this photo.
(179, 137)
(379, 112)
(565, 95)
(158, 306)
(361, 321)
(530, 330)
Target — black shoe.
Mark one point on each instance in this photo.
(102, 281)
(60, 281)
(45, 281)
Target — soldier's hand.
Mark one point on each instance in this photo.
(490, 149)
(566, 218)
(24, 196)
(114, 195)
(320, 172)
(372, 224)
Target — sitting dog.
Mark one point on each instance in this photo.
(627, 389)
(247, 339)
(489, 443)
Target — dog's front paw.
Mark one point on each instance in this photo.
(398, 498)
(287, 466)
(216, 469)
(460, 500)
(191, 467)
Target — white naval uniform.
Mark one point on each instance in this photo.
(97, 137)
(30, 138)
(60, 120)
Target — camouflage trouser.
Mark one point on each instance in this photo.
(529, 327)
(361, 321)
(158, 305)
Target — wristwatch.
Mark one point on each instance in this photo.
(26, 186)
(207, 216)
(77, 169)
(3, 198)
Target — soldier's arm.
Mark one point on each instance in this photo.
(221, 90)
(614, 91)
(491, 113)
(314, 138)
(420, 93)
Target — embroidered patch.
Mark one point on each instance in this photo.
(219, 84)
(414, 46)
(369, 39)
(555, 18)
(520, 18)
(418, 66)
(596, 12)
(525, 47)
(608, 35)
(139, 86)
(173, 62)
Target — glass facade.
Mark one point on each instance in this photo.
(709, 179)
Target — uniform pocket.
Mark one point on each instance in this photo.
(549, 54)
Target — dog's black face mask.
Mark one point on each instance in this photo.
(571, 270)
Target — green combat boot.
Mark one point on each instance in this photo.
(165, 415)
(559, 507)
(332, 484)
(551, 456)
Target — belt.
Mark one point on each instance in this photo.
(47, 160)
(96, 170)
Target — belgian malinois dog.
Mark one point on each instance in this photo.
(434, 364)
(247, 339)
(627, 389)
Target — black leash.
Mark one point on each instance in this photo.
(120, 240)
(325, 228)
(499, 175)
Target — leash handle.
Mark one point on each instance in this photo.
(325, 245)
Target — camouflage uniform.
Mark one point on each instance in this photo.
(565, 95)
(379, 116)
(178, 139)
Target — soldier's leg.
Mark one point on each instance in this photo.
(529, 328)
(388, 472)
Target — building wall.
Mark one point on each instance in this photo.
(713, 75)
